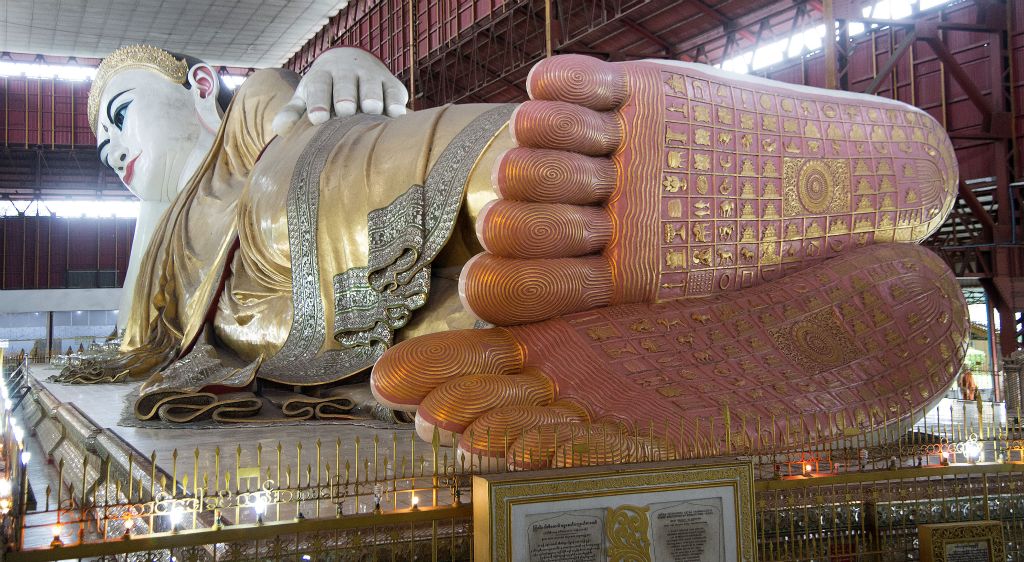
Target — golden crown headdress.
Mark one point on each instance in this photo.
(130, 57)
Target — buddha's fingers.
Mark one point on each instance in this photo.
(540, 230)
(578, 79)
(517, 291)
(454, 405)
(553, 176)
(346, 91)
(408, 372)
(288, 115)
(558, 125)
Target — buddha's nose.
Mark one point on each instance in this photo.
(118, 159)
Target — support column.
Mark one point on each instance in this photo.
(412, 54)
(992, 353)
(49, 336)
(548, 31)
(1007, 330)
(1013, 369)
(831, 74)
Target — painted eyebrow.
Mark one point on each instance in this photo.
(110, 104)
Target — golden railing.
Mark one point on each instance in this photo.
(393, 497)
(874, 515)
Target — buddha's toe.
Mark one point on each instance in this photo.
(408, 372)
(573, 443)
(607, 443)
(492, 434)
(563, 126)
(454, 405)
(542, 230)
(553, 176)
(578, 79)
(507, 291)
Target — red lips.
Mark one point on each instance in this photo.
(129, 170)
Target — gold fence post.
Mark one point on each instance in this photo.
(152, 477)
(728, 429)
(435, 445)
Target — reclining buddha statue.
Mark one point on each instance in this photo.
(638, 243)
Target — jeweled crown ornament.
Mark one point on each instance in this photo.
(133, 56)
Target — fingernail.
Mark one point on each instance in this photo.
(395, 110)
(373, 106)
(320, 116)
(345, 107)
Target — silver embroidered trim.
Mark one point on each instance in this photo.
(396, 235)
(308, 330)
(200, 368)
(368, 307)
(371, 316)
(400, 255)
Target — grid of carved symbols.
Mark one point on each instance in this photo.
(757, 180)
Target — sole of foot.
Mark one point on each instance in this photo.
(649, 181)
(841, 347)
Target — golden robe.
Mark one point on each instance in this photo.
(310, 253)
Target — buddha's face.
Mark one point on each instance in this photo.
(147, 129)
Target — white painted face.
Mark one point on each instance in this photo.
(147, 129)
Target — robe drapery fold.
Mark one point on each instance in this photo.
(183, 267)
(309, 251)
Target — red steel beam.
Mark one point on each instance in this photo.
(727, 23)
(977, 210)
(894, 59)
(643, 31)
(959, 74)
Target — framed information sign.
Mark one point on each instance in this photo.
(653, 511)
(970, 541)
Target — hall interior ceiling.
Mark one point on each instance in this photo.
(243, 33)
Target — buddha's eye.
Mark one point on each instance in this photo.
(120, 113)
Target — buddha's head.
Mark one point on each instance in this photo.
(154, 114)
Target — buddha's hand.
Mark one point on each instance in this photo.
(343, 81)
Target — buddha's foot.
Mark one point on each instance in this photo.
(851, 344)
(646, 181)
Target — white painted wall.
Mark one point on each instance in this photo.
(46, 300)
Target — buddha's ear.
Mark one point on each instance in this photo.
(204, 82)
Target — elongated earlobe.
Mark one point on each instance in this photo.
(203, 80)
(205, 86)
